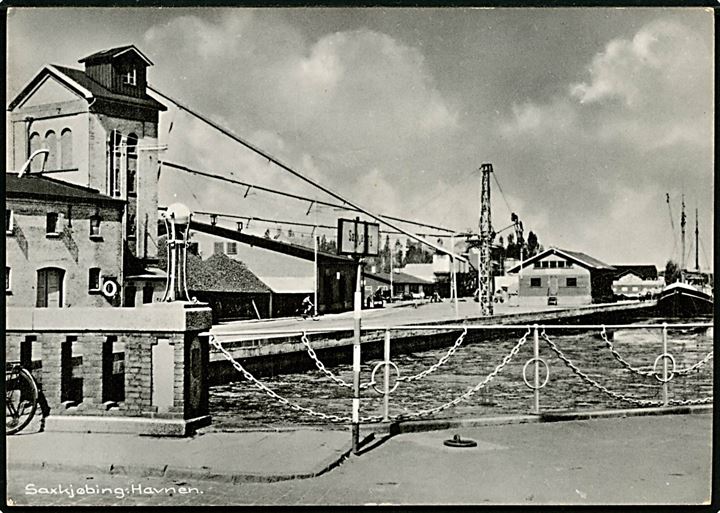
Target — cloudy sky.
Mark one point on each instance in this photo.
(589, 116)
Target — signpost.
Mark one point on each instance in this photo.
(357, 239)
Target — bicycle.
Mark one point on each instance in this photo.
(21, 397)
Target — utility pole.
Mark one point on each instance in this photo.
(486, 236)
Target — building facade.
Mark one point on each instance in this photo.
(562, 277)
(63, 244)
(98, 129)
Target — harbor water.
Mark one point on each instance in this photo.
(240, 405)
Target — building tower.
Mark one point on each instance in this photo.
(100, 127)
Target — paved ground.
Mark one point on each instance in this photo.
(396, 314)
(634, 460)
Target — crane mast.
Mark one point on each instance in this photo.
(486, 236)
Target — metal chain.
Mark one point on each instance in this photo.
(271, 393)
(321, 366)
(695, 366)
(423, 413)
(589, 380)
(650, 373)
(623, 362)
(440, 362)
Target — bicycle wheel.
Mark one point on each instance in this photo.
(21, 400)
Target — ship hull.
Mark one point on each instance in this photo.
(684, 301)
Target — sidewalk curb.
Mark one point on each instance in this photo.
(416, 426)
(202, 473)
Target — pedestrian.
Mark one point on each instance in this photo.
(307, 306)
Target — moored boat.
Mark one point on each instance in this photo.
(683, 300)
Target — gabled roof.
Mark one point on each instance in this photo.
(41, 187)
(77, 81)
(398, 278)
(576, 257)
(112, 53)
(646, 272)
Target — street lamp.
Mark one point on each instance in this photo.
(177, 226)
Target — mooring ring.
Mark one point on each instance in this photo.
(672, 371)
(524, 373)
(372, 377)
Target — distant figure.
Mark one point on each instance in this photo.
(436, 297)
(307, 307)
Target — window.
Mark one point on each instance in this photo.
(148, 294)
(51, 223)
(115, 162)
(561, 264)
(50, 287)
(66, 156)
(131, 226)
(130, 77)
(553, 264)
(95, 227)
(535, 282)
(536, 265)
(94, 279)
(9, 221)
(132, 163)
(544, 265)
(8, 288)
(51, 145)
(36, 164)
(571, 282)
(218, 248)
(568, 265)
(232, 248)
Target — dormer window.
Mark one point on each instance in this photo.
(130, 77)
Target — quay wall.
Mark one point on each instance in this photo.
(283, 355)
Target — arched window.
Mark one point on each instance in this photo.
(132, 141)
(115, 162)
(50, 287)
(51, 145)
(66, 157)
(34, 146)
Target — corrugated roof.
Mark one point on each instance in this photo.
(576, 256)
(39, 186)
(114, 52)
(289, 284)
(398, 278)
(99, 91)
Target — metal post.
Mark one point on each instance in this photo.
(536, 354)
(665, 362)
(386, 383)
(357, 312)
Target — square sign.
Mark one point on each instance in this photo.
(358, 238)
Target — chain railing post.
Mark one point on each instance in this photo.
(536, 355)
(386, 383)
(665, 362)
(357, 313)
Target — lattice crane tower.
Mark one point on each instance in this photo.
(485, 284)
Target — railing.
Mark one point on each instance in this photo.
(663, 370)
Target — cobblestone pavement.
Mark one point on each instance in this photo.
(640, 460)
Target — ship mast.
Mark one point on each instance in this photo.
(697, 242)
(682, 236)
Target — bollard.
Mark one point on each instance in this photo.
(386, 384)
(536, 355)
(665, 362)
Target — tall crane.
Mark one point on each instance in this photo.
(486, 236)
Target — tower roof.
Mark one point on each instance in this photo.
(112, 53)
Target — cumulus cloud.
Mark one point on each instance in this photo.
(347, 108)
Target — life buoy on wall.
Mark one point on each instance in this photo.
(110, 288)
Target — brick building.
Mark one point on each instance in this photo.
(99, 127)
(62, 243)
(563, 277)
